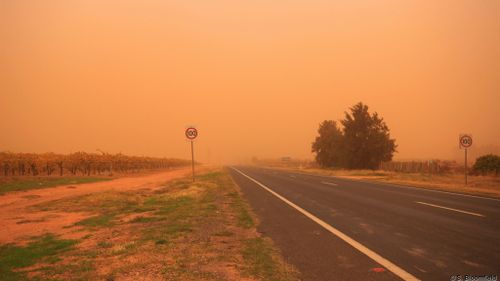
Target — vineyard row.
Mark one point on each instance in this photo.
(24, 164)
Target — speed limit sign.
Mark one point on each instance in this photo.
(465, 141)
(191, 133)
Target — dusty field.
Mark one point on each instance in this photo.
(477, 185)
(153, 227)
(18, 223)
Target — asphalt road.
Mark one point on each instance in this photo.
(425, 234)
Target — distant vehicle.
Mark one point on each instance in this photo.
(286, 159)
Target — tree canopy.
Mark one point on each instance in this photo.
(485, 164)
(363, 142)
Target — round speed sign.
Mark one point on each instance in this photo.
(191, 133)
(465, 141)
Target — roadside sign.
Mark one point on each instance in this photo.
(465, 141)
(191, 133)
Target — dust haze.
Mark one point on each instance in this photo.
(255, 77)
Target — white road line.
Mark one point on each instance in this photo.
(329, 183)
(451, 209)
(358, 246)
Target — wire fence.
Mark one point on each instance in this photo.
(429, 166)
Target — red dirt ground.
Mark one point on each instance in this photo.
(18, 222)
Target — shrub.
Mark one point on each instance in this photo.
(487, 164)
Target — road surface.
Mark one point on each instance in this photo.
(338, 229)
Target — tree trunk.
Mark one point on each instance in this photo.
(60, 164)
(34, 172)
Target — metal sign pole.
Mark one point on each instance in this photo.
(192, 158)
(465, 166)
(191, 134)
(465, 141)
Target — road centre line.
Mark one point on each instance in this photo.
(358, 246)
(329, 183)
(451, 209)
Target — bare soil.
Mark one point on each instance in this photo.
(19, 222)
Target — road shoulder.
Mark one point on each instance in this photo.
(174, 230)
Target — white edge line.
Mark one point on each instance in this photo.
(451, 209)
(329, 183)
(400, 186)
(358, 246)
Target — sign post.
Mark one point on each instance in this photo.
(465, 141)
(191, 134)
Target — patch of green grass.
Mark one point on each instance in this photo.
(151, 201)
(261, 262)
(91, 254)
(210, 176)
(142, 219)
(173, 217)
(245, 220)
(161, 242)
(27, 184)
(42, 249)
(104, 244)
(97, 221)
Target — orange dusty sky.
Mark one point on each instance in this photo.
(256, 77)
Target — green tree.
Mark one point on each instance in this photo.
(328, 146)
(363, 142)
(367, 139)
(485, 164)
